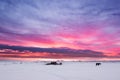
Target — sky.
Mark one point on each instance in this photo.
(60, 28)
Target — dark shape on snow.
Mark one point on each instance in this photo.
(98, 64)
(54, 63)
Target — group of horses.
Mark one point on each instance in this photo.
(59, 63)
(54, 63)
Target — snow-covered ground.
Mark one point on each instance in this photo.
(67, 71)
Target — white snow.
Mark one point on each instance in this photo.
(67, 71)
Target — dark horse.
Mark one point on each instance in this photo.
(98, 64)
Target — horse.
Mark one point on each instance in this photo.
(98, 64)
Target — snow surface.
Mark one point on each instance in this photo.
(67, 71)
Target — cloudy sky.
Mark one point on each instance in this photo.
(69, 26)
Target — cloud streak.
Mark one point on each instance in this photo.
(18, 51)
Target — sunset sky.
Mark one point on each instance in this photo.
(60, 29)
